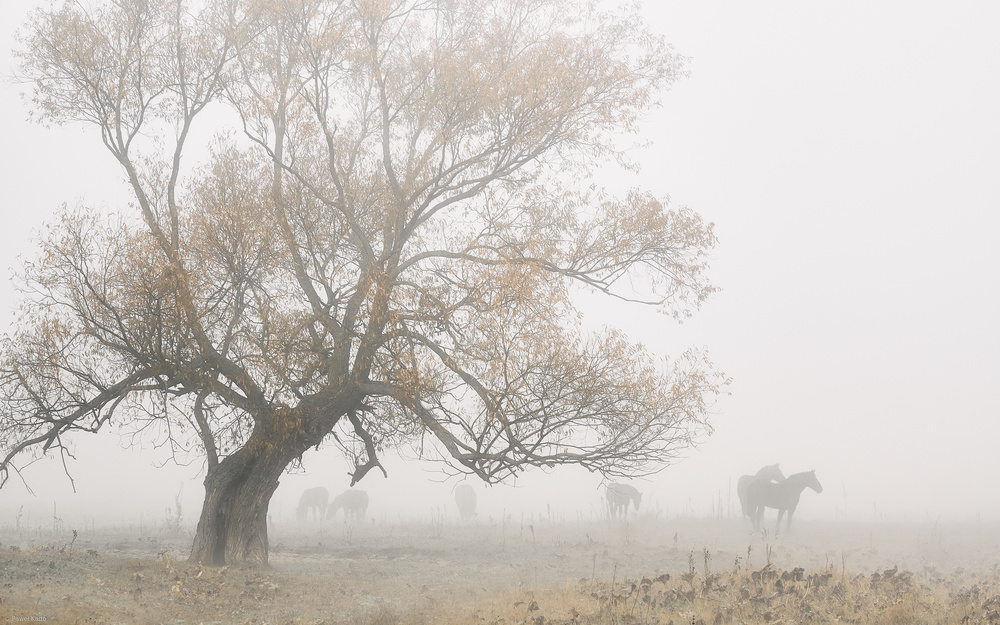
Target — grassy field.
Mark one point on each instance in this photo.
(529, 570)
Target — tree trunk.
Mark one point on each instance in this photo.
(233, 524)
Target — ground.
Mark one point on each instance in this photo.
(530, 570)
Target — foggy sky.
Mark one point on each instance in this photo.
(848, 155)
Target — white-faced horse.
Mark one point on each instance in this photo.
(619, 496)
(354, 502)
(770, 473)
(783, 497)
(312, 499)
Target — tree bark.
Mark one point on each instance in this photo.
(232, 529)
(233, 524)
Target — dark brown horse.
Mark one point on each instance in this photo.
(312, 499)
(783, 497)
(618, 497)
(354, 502)
(770, 473)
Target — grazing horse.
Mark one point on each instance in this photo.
(770, 473)
(354, 503)
(465, 498)
(618, 496)
(783, 497)
(312, 499)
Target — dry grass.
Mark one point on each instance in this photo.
(770, 595)
(491, 574)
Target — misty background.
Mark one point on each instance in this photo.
(848, 154)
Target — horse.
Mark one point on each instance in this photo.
(354, 503)
(465, 499)
(618, 497)
(770, 473)
(782, 497)
(312, 499)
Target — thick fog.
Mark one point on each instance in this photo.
(848, 154)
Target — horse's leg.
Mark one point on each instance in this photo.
(777, 526)
(791, 511)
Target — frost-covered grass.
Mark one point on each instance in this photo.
(514, 570)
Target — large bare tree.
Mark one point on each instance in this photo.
(382, 250)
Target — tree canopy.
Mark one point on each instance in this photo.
(378, 245)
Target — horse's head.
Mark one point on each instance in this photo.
(771, 473)
(813, 483)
